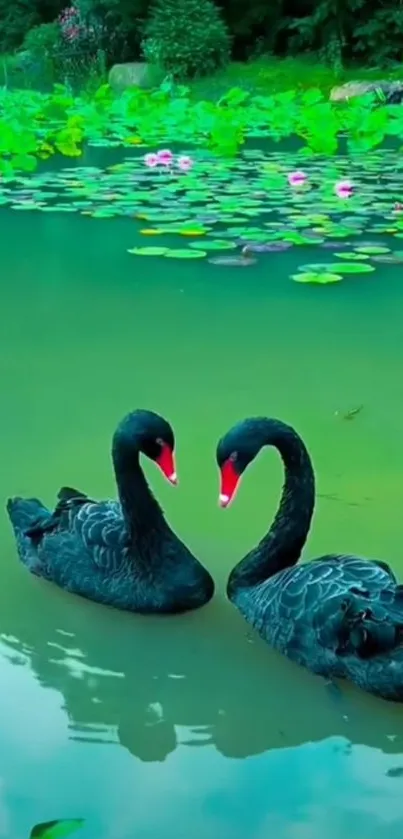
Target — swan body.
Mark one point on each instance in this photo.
(122, 553)
(340, 616)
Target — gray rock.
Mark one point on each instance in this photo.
(134, 74)
(392, 91)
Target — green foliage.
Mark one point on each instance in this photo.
(58, 829)
(187, 38)
(43, 41)
(16, 19)
(34, 126)
(19, 16)
(122, 23)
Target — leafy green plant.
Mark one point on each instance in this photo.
(57, 829)
(35, 125)
(122, 23)
(186, 38)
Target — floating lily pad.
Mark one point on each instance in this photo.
(321, 278)
(233, 261)
(268, 247)
(182, 253)
(370, 250)
(351, 255)
(351, 268)
(151, 231)
(214, 245)
(192, 231)
(57, 829)
(148, 251)
(389, 258)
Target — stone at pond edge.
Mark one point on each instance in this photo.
(134, 74)
(392, 91)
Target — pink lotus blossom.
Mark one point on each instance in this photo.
(185, 163)
(151, 160)
(344, 189)
(297, 178)
(165, 157)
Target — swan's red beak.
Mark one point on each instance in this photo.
(166, 462)
(229, 483)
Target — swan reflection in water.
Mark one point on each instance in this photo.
(197, 680)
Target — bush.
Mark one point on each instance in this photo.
(42, 41)
(67, 49)
(17, 17)
(186, 38)
(122, 22)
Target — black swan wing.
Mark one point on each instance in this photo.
(289, 603)
(80, 525)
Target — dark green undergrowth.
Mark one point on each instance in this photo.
(272, 75)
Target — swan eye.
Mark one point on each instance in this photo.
(233, 457)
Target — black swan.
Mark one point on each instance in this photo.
(340, 616)
(122, 553)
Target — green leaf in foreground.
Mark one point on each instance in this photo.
(148, 251)
(56, 829)
(350, 255)
(214, 245)
(321, 278)
(372, 249)
(182, 253)
(351, 268)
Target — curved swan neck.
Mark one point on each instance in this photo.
(142, 513)
(281, 547)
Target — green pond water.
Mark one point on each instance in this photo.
(192, 726)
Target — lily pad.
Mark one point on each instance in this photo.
(351, 268)
(389, 258)
(233, 261)
(370, 250)
(148, 251)
(57, 829)
(182, 253)
(321, 278)
(214, 245)
(351, 255)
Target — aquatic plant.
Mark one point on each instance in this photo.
(344, 189)
(233, 212)
(57, 829)
(297, 178)
(34, 125)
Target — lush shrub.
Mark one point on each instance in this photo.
(17, 17)
(122, 23)
(42, 41)
(254, 25)
(66, 50)
(186, 38)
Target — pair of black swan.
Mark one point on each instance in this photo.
(340, 616)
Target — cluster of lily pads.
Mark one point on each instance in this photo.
(232, 211)
(36, 125)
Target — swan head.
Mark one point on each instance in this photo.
(148, 433)
(234, 453)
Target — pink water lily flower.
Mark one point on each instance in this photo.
(185, 163)
(297, 178)
(165, 157)
(151, 160)
(344, 189)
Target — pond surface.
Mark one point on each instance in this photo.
(191, 726)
